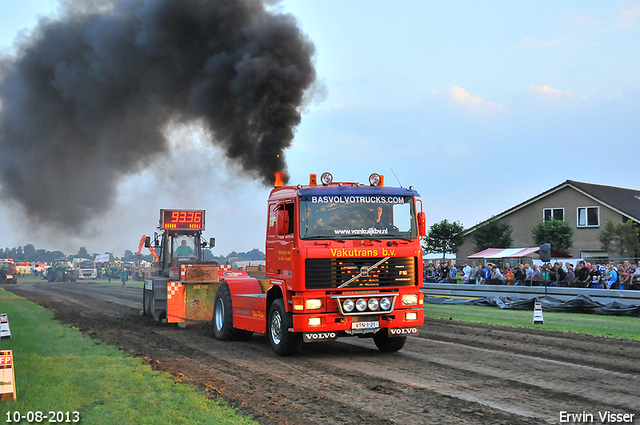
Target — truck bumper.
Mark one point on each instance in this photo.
(400, 322)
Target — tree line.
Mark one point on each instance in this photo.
(253, 255)
(447, 237)
(29, 253)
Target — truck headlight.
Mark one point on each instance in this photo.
(385, 304)
(361, 304)
(374, 179)
(373, 304)
(315, 321)
(326, 179)
(348, 305)
(313, 304)
(409, 299)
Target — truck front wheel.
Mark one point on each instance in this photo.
(386, 343)
(223, 318)
(283, 342)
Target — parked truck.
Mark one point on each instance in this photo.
(86, 268)
(8, 272)
(342, 259)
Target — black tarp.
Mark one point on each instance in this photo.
(577, 304)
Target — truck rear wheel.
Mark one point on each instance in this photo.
(283, 342)
(146, 302)
(223, 328)
(386, 343)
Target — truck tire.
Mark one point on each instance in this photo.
(146, 302)
(75, 275)
(283, 342)
(51, 275)
(223, 328)
(386, 343)
(59, 276)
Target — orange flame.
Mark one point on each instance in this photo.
(278, 179)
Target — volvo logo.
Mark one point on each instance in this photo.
(318, 336)
(404, 331)
(364, 271)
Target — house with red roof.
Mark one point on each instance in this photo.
(585, 206)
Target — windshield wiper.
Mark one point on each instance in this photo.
(322, 237)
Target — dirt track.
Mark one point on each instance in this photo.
(451, 373)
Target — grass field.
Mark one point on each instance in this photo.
(589, 324)
(59, 369)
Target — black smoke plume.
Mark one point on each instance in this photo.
(86, 97)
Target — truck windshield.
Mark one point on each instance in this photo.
(184, 247)
(357, 217)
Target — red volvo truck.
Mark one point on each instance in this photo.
(342, 259)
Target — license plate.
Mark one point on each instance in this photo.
(365, 325)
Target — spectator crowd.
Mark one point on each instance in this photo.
(583, 275)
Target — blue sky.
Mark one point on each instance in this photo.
(477, 105)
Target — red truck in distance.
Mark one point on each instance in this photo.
(342, 260)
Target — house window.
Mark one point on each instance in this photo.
(588, 216)
(557, 213)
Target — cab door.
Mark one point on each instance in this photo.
(280, 239)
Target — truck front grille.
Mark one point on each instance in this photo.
(333, 272)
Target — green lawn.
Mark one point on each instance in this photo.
(589, 324)
(60, 369)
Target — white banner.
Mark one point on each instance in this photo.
(102, 258)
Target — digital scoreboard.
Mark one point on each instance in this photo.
(182, 219)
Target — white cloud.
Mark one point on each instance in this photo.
(585, 20)
(462, 97)
(547, 91)
(528, 42)
(629, 13)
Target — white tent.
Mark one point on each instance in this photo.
(429, 256)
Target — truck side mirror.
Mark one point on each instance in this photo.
(422, 224)
(283, 222)
(147, 242)
(212, 242)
